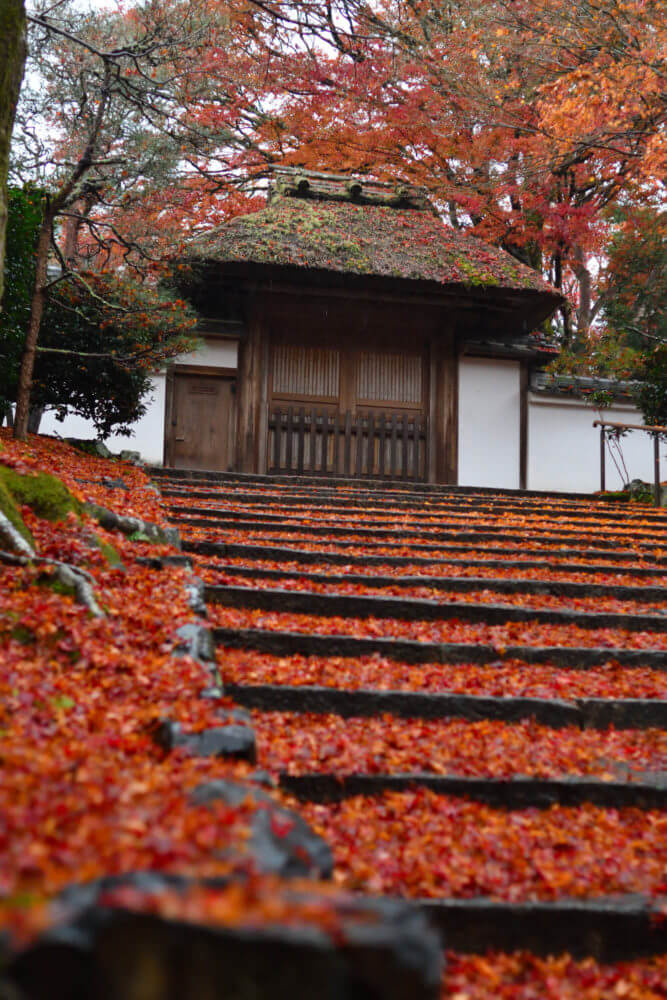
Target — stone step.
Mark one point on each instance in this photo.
(611, 929)
(457, 584)
(415, 609)
(406, 536)
(416, 528)
(556, 713)
(390, 486)
(520, 792)
(413, 651)
(327, 501)
(306, 557)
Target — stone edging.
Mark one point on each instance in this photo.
(587, 713)
(413, 651)
(518, 792)
(421, 609)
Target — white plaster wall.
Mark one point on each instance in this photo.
(564, 447)
(489, 409)
(148, 437)
(213, 354)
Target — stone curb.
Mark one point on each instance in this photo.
(607, 929)
(415, 609)
(412, 651)
(586, 713)
(519, 792)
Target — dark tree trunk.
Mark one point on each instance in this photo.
(30, 345)
(12, 61)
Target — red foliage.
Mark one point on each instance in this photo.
(300, 744)
(506, 678)
(500, 636)
(420, 844)
(522, 976)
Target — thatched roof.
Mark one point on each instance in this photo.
(322, 224)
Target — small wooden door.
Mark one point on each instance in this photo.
(201, 421)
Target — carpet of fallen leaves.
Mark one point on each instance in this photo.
(522, 976)
(532, 601)
(405, 545)
(85, 791)
(420, 844)
(460, 569)
(500, 678)
(499, 636)
(386, 745)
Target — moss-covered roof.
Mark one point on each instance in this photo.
(363, 239)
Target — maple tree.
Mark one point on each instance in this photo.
(104, 131)
(525, 120)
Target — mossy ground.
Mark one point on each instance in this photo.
(45, 495)
(9, 508)
(48, 498)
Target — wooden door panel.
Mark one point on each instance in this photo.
(202, 422)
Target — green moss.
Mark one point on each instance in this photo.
(9, 508)
(44, 494)
(53, 583)
(140, 536)
(111, 554)
(24, 635)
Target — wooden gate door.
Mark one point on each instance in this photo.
(201, 420)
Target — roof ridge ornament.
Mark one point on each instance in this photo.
(299, 182)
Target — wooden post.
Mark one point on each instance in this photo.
(288, 443)
(336, 448)
(249, 393)
(360, 443)
(301, 445)
(444, 457)
(277, 433)
(371, 444)
(382, 433)
(347, 450)
(602, 458)
(656, 470)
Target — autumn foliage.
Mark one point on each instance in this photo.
(87, 791)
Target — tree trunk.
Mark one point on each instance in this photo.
(12, 61)
(584, 311)
(35, 418)
(30, 345)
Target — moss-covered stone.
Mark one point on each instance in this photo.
(52, 582)
(45, 495)
(9, 508)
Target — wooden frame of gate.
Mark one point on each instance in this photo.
(364, 445)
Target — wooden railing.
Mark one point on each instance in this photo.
(607, 428)
(370, 445)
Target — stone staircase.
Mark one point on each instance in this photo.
(460, 624)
